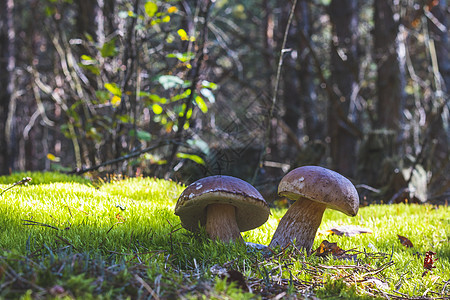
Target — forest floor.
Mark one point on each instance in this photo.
(66, 237)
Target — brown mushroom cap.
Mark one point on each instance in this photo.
(321, 185)
(251, 208)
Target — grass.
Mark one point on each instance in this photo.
(66, 237)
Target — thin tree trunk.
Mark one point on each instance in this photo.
(305, 73)
(87, 12)
(7, 63)
(299, 88)
(268, 42)
(438, 26)
(438, 127)
(291, 96)
(389, 78)
(344, 68)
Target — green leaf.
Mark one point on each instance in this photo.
(183, 57)
(93, 69)
(170, 81)
(183, 34)
(109, 48)
(201, 104)
(123, 14)
(125, 119)
(142, 135)
(86, 57)
(192, 157)
(156, 98)
(144, 94)
(199, 144)
(102, 96)
(207, 93)
(209, 85)
(150, 9)
(189, 114)
(157, 109)
(114, 89)
(183, 95)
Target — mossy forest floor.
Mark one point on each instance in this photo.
(65, 237)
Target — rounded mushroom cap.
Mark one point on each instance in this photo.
(251, 208)
(321, 185)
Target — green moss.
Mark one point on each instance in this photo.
(105, 241)
(43, 177)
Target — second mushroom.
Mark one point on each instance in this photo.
(314, 189)
(224, 205)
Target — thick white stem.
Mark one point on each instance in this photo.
(221, 223)
(300, 223)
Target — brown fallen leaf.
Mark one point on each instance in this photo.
(325, 248)
(347, 230)
(405, 241)
(325, 232)
(238, 278)
(231, 275)
(428, 262)
(119, 217)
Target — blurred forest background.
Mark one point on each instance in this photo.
(185, 89)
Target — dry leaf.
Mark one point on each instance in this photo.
(231, 276)
(428, 262)
(325, 232)
(238, 278)
(349, 230)
(405, 241)
(377, 282)
(326, 248)
(119, 217)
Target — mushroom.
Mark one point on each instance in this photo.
(314, 189)
(225, 205)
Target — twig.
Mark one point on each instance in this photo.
(113, 226)
(146, 286)
(368, 187)
(445, 285)
(67, 242)
(34, 223)
(140, 253)
(6, 283)
(20, 278)
(387, 265)
(24, 181)
(275, 92)
(342, 267)
(121, 158)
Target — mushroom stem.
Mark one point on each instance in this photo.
(221, 223)
(300, 223)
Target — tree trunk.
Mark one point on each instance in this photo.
(439, 34)
(438, 131)
(307, 91)
(268, 43)
(389, 78)
(299, 88)
(7, 62)
(344, 68)
(289, 80)
(87, 12)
